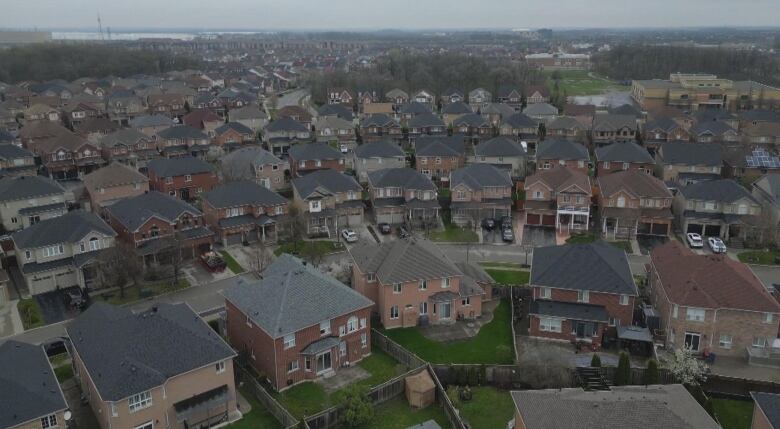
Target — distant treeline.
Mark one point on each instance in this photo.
(651, 62)
(50, 61)
(436, 72)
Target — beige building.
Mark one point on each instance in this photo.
(113, 182)
(25, 201)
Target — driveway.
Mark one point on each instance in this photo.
(53, 306)
(538, 236)
(648, 242)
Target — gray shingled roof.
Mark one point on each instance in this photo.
(480, 176)
(242, 193)
(379, 149)
(128, 353)
(378, 120)
(236, 126)
(182, 132)
(456, 108)
(68, 228)
(663, 123)
(338, 110)
(709, 154)
(722, 190)
(561, 149)
(134, 212)
(770, 184)
(150, 121)
(24, 187)
(716, 128)
(114, 174)
(439, 146)
(28, 387)
(414, 108)
(404, 178)
(180, 166)
(313, 151)
(239, 162)
(610, 122)
(10, 151)
(471, 120)
(292, 296)
(540, 109)
(247, 112)
(520, 120)
(597, 267)
(425, 120)
(330, 180)
(500, 146)
(126, 136)
(402, 261)
(286, 124)
(623, 152)
(769, 403)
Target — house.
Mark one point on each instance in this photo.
(204, 120)
(702, 117)
(334, 129)
(766, 190)
(551, 154)
(425, 97)
(336, 111)
(94, 129)
(687, 163)
(232, 135)
(168, 104)
(41, 112)
(403, 195)
(243, 212)
(473, 125)
(567, 127)
(297, 324)
(610, 128)
(154, 223)
(16, 161)
(542, 112)
(258, 165)
(581, 292)
(765, 410)
(329, 200)
(763, 133)
(182, 140)
(307, 157)
(412, 282)
(479, 97)
(61, 251)
(159, 367)
(622, 156)
(397, 96)
(437, 157)
(584, 113)
(412, 109)
(503, 153)
(425, 124)
(297, 114)
(33, 135)
(185, 177)
(280, 134)
(536, 94)
(661, 130)
(713, 132)
(710, 303)
(112, 183)
(380, 126)
(250, 117)
(340, 96)
(377, 155)
(558, 198)
(32, 397)
(480, 191)
(451, 95)
(496, 113)
(510, 95)
(720, 208)
(668, 406)
(521, 128)
(26, 200)
(129, 146)
(633, 202)
(366, 110)
(151, 124)
(68, 156)
(74, 114)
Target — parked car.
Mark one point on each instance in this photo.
(74, 298)
(507, 235)
(344, 148)
(213, 262)
(488, 223)
(349, 236)
(694, 240)
(716, 244)
(402, 232)
(506, 222)
(384, 228)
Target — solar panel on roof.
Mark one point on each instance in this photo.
(762, 158)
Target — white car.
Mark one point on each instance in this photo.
(349, 236)
(716, 244)
(694, 240)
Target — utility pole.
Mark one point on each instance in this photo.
(100, 27)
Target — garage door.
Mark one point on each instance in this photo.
(711, 231)
(644, 228)
(548, 220)
(533, 219)
(233, 239)
(661, 229)
(355, 220)
(694, 227)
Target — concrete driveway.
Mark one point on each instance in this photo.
(538, 236)
(54, 308)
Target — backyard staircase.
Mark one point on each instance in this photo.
(591, 378)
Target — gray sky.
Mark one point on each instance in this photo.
(401, 14)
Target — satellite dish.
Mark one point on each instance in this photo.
(68, 415)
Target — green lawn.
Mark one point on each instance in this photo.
(501, 265)
(492, 345)
(231, 262)
(30, 313)
(453, 234)
(625, 245)
(63, 373)
(509, 277)
(258, 417)
(760, 257)
(397, 414)
(733, 414)
(577, 82)
(488, 408)
(581, 238)
(322, 247)
(134, 293)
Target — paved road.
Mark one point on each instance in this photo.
(767, 274)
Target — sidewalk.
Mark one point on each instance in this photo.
(10, 322)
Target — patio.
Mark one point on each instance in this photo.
(342, 378)
(460, 330)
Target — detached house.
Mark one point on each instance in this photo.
(567, 127)
(280, 134)
(243, 212)
(308, 157)
(510, 95)
(425, 124)
(721, 208)
(130, 147)
(437, 157)
(621, 157)
(330, 201)
(542, 112)
(183, 140)
(340, 96)
(297, 324)
(27, 200)
(380, 126)
(609, 128)
(521, 128)
(503, 153)
(687, 163)
(766, 190)
(552, 154)
(397, 96)
(250, 117)
(204, 120)
(297, 114)
(185, 177)
(232, 135)
(403, 195)
(473, 125)
(480, 191)
(68, 156)
(632, 203)
(335, 129)
(16, 161)
(581, 292)
(714, 132)
(151, 124)
(536, 94)
(258, 165)
(377, 155)
(661, 130)
(410, 110)
(479, 97)
(558, 198)
(112, 183)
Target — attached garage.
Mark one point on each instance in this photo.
(233, 239)
(660, 229)
(390, 216)
(695, 228)
(548, 220)
(48, 281)
(533, 219)
(711, 231)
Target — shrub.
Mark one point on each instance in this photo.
(454, 394)
(651, 373)
(595, 361)
(358, 409)
(623, 372)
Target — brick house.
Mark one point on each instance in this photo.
(296, 324)
(558, 198)
(130, 147)
(661, 130)
(765, 410)
(503, 153)
(280, 134)
(622, 157)
(479, 97)
(16, 161)
(340, 96)
(151, 124)
(411, 282)
(377, 155)
(453, 111)
(511, 95)
(307, 157)
(204, 120)
(380, 126)
(720, 208)
(412, 109)
(68, 156)
(580, 292)
(714, 132)
(610, 128)
(168, 104)
(160, 367)
(426, 124)
(183, 140)
(522, 129)
(185, 177)
(232, 135)
(710, 303)
(334, 129)
(243, 212)
(473, 125)
(112, 183)
(631, 203)
(297, 114)
(256, 164)
(437, 157)
(403, 195)
(329, 200)
(249, 116)
(687, 163)
(397, 96)
(536, 94)
(480, 191)
(552, 154)
(567, 127)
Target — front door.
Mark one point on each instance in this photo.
(446, 310)
(692, 341)
(580, 330)
(323, 362)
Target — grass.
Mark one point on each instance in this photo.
(30, 313)
(134, 293)
(492, 345)
(321, 247)
(62, 367)
(453, 234)
(625, 245)
(258, 417)
(231, 262)
(396, 414)
(581, 238)
(733, 414)
(761, 257)
(510, 265)
(578, 82)
(488, 408)
(509, 277)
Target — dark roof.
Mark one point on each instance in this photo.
(471, 120)
(709, 154)
(125, 136)
(134, 212)
(769, 403)
(760, 115)
(610, 122)
(405, 178)
(182, 132)
(723, 190)
(379, 149)
(23, 187)
(623, 152)
(456, 108)
(378, 120)
(313, 151)
(663, 123)
(570, 310)
(716, 128)
(28, 387)
(625, 109)
(236, 126)
(520, 120)
(596, 267)
(561, 149)
(242, 193)
(414, 108)
(6, 137)
(713, 115)
(239, 162)
(329, 180)
(425, 120)
(145, 121)
(500, 146)
(292, 295)
(639, 183)
(286, 124)
(10, 151)
(126, 353)
(480, 176)
(338, 110)
(439, 146)
(401, 261)
(180, 166)
(68, 228)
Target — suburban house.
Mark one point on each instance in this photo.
(610, 128)
(766, 190)
(508, 94)
(334, 129)
(159, 367)
(377, 155)
(496, 113)
(280, 134)
(340, 96)
(567, 127)
(558, 198)
(151, 124)
(713, 132)
(763, 133)
(231, 135)
(250, 117)
(668, 406)
(368, 110)
(168, 104)
(330, 200)
(623, 156)
(542, 112)
(633, 202)
(581, 292)
(536, 94)
(297, 114)
(410, 110)
(584, 113)
(154, 223)
(68, 156)
(397, 96)
(552, 154)
(94, 129)
(258, 165)
(182, 140)
(451, 95)
(296, 324)
(766, 410)
(307, 157)
(16, 161)
(479, 97)
(204, 120)
(243, 212)
(473, 125)
(521, 128)
(480, 191)
(380, 126)
(129, 146)
(401, 195)
(412, 282)
(686, 163)
(437, 157)
(503, 153)
(32, 397)
(661, 130)
(710, 303)
(453, 111)
(425, 124)
(60, 252)
(185, 177)
(74, 114)
(720, 208)
(424, 96)
(112, 183)
(336, 111)
(26, 200)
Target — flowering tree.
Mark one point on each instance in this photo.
(687, 368)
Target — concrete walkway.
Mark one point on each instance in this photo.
(10, 322)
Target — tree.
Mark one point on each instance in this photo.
(358, 409)
(651, 373)
(595, 361)
(295, 226)
(623, 371)
(118, 266)
(542, 131)
(260, 256)
(686, 368)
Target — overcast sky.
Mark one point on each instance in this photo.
(371, 14)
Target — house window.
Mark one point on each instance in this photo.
(545, 293)
(140, 401)
(445, 283)
(289, 341)
(27, 255)
(187, 178)
(709, 206)
(581, 164)
(325, 327)
(396, 287)
(614, 321)
(292, 366)
(583, 296)
(461, 195)
(423, 308)
(235, 211)
(621, 201)
(363, 323)
(438, 160)
(342, 349)
(423, 284)
(605, 164)
(314, 206)
(352, 324)
(363, 340)
(768, 317)
(623, 299)
(759, 342)
(625, 166)
(370, 277)
(49, 421)
(694, 314)
(742, 209)
(94, 244)
(302, 164)
(549, 325)
(220, 367)
(394, 312)
(725, 341)
(538, 195)
(466, 301)
(154, 231)
(307, 363)
(169, 180)
(675, 310)
(52, 251)
(147, 425)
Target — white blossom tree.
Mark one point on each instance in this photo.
(687, 368)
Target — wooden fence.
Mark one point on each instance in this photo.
(507, 377)
(719, 385)
(444, 402)
(637, 376)
(272, 405)
(398, 352)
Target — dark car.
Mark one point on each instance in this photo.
(74, 298)
(384, 228)
(402, 232)
(488, 223)
(507, 235)
(506, 222)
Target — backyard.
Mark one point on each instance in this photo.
(581, 82)
(136, 292)
(509, 277)
(488, 408)
(733, 414)
(315, 247)
(258, 417)
(761, 257)
(396, 414)
(492, 345)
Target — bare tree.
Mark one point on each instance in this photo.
(295, 226)
(260, 256)
(119, 266)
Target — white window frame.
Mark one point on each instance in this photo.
(220, 367)
(363, 340)
(397, 288)
(394, 312)
(675, 311)
(325, 327)
(139, 401)
(188, 178)
(545, 293)
(288, 341)
(694, 314)
(445, 283)
(423, 308)
(624, 299)
(352, 324)
(583, 296)
(293, 366)
(147, 425)
(768, 317)
(423, 285)
(548, 324)
(759, 342)
(725, 341)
